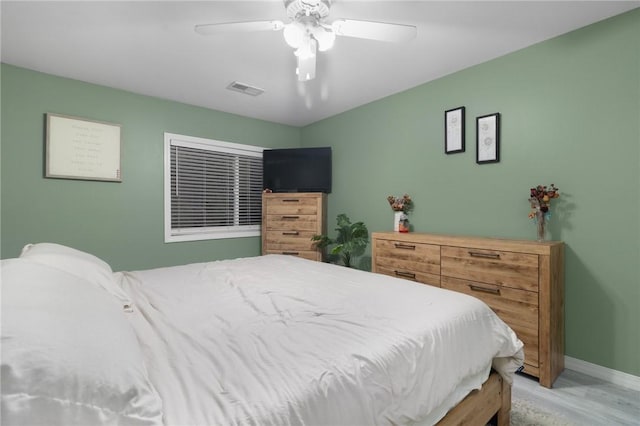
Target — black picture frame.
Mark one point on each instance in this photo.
(488, 138)
(454, 130)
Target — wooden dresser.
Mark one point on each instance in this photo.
(522, 281)
(289, 220)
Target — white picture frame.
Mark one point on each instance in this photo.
(78, 148)
(488, 138)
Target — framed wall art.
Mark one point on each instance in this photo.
(488, 138)
(454, 130)
(77, 148)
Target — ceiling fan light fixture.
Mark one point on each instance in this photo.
(306, 69)
(307, 49)
(325, 37)
(294, 34)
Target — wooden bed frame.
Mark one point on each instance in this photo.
(480, 406)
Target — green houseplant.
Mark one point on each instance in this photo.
(351, 241)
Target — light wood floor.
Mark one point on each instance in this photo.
(582, 400)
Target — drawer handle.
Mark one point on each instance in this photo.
(484, 289)
(290, 200)
(291, 217)
(485, 255)
(405, 246)
(291, 233)
(292, 253)
(406, 274)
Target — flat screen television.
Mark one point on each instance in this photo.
(297, 169)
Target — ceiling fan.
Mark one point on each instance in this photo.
(308, 31)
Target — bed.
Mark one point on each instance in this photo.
(269, 340)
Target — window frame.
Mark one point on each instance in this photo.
(204, 233)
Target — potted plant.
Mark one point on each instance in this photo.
(351, 241)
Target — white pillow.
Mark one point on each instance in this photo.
(69, 355)
(78, 263)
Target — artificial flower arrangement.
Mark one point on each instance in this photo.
(540, 198)
(400, 204)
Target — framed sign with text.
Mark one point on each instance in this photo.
(78, 148)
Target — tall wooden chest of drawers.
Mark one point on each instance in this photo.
(289, 220)
(522, 281)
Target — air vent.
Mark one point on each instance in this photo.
(236, 86)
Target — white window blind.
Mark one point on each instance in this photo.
(214, 189)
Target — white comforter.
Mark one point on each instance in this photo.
(281, 340)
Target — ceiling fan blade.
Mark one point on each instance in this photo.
(238, 27)
(380, 31)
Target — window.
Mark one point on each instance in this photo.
(212, 189)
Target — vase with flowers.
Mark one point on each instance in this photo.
(401, 207)
(540, 198)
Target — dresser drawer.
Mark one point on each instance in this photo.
(414, 257)
(292, 205)
(503, 268)
(305, 254)
(290, 240)
(413, 261)
(518, 308)
(412, 275)
(291, 222)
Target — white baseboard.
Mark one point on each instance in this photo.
(603, 373)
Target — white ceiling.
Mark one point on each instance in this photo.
(150, 48)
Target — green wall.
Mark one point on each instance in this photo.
(570, 116)
(570, 110)
(122, 223)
